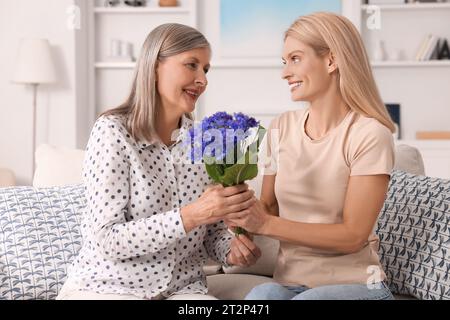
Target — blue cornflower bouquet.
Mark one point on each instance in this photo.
(229, 146)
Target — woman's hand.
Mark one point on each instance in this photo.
(243, 252)
(253, 219)
(216, 202)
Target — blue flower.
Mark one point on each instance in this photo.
(218, 135)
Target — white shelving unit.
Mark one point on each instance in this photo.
(398, 64)
(420, 87)
(142, 10)
(109, 79)
(270, 63)
(410, 6)
(115, 65)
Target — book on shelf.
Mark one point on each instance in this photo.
(433, 135)
(428, 48)
(394, 111)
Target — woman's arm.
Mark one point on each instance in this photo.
(268, 197)
(364, 200)
(107, 184)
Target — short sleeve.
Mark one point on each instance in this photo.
(371, 150)
(270, 151)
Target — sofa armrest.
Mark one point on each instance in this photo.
(409, 159)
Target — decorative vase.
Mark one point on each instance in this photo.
(168, 3)
(379, 53)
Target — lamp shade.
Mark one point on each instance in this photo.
(34, 62)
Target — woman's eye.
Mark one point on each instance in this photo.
(295, 59)
(192, 66)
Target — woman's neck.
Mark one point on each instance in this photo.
(325, 113)
(166, 124)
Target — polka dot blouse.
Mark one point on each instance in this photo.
(134, 241)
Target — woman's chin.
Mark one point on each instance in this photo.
(189, 109)
(299, 97)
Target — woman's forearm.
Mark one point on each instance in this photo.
(118, 241)
(188, 217)
(333, 237)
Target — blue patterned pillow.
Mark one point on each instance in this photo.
(39, 237)
(414, 231)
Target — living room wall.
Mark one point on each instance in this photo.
(56, 113)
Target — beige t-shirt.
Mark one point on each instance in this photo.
(310, 187)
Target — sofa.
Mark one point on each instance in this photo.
(40, 233)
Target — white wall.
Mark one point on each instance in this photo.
(65, 120)
(56, 112)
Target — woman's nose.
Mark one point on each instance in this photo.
(201, 81)
(285, 73)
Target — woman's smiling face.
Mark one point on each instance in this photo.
(307, 74)
(181, 79)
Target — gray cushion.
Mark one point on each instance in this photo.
(40, 236)
(408, 159)
(414, 231)
(234, 286)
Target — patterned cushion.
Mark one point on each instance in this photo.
(39, 236)
(414, 231)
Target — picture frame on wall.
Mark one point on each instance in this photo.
(251, 32)
(394, 111)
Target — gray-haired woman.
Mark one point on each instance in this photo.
(152, 219)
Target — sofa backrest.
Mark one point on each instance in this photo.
(60, 166)
(57, 166)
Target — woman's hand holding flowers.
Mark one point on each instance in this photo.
(253, 219)
(215, 203)
(243, 252)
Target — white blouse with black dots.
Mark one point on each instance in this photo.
(134, 241)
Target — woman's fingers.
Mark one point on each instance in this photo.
(242, 206)
(230, 191)
(236, 257)
(246, 252)
(236, 215)
(255, 251)
(239, 198)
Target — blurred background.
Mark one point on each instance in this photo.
(63, 62)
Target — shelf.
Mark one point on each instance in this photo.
(120, 10)
(410, 6)
(247, 63)
(277, 64)
(115, 65)
(238, 63)
(394, 64)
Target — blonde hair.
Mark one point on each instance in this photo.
(327, 32)
(141, 106)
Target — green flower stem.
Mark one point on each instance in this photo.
(238, 231)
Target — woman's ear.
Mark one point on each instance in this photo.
(332, 64)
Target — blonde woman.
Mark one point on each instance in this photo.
(333, 166)
(151, 219)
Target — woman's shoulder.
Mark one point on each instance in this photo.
(369, 131)
(111, 123)
(288, 118)
(363, 126)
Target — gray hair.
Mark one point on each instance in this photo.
(142, 104)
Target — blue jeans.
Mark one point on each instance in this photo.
(275, 291)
